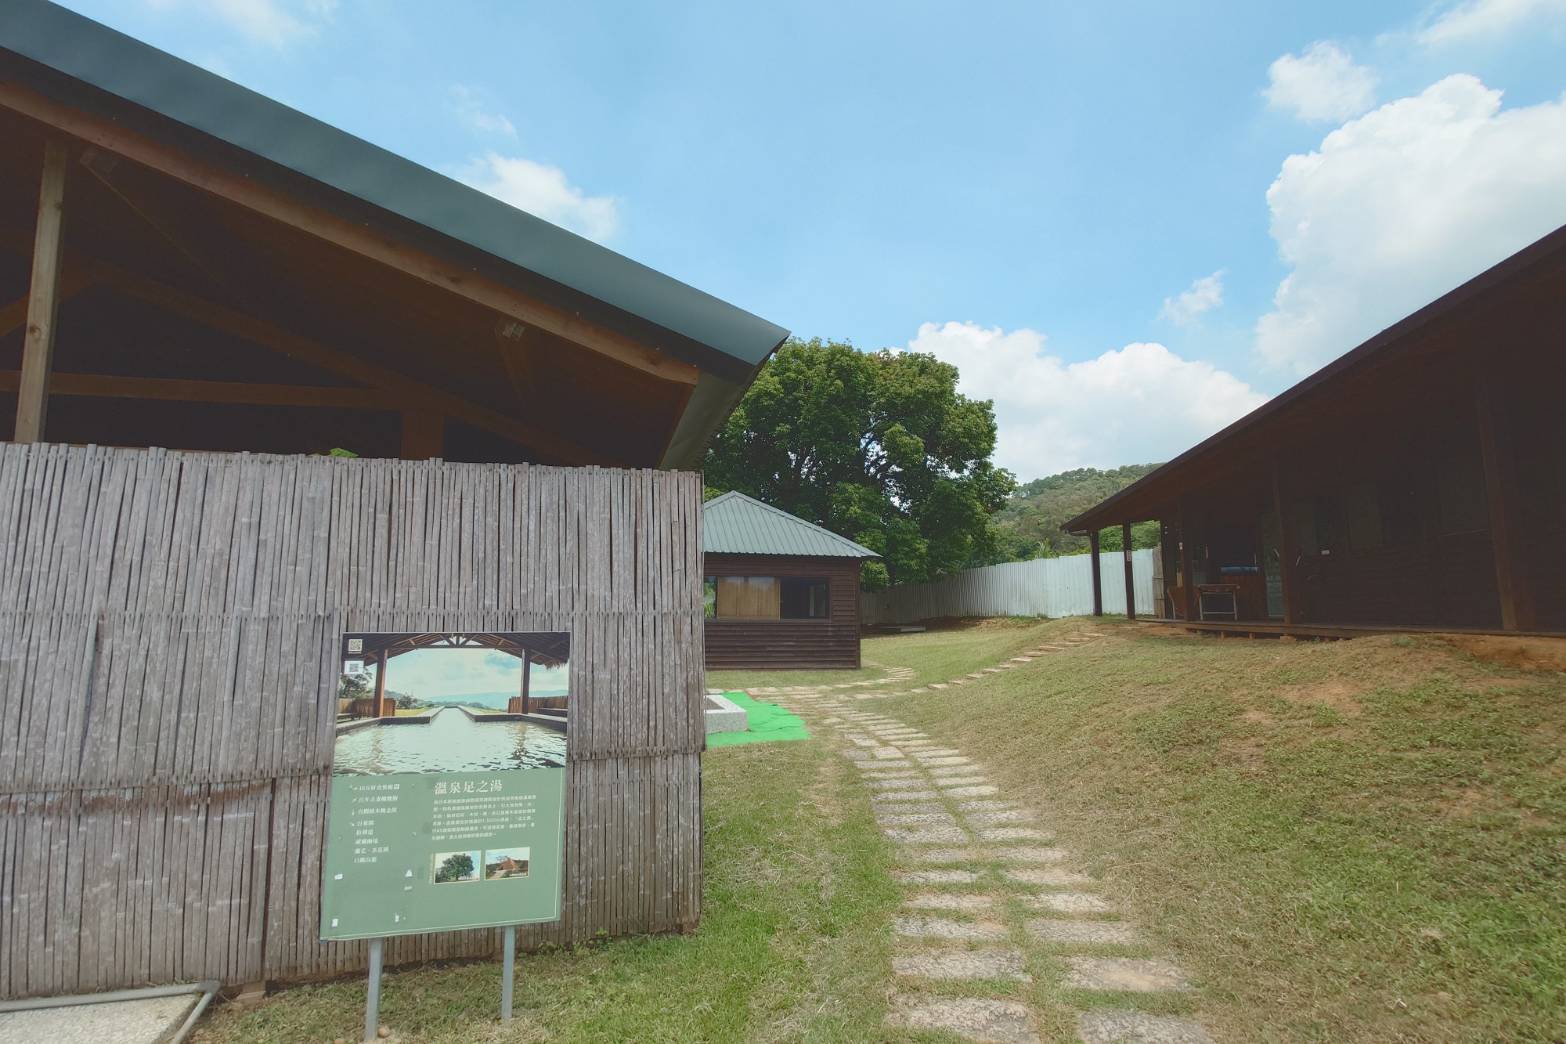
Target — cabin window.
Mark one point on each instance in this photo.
(766, 598)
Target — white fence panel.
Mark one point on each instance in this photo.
(1042, 587)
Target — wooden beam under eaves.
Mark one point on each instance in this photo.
(32, 392)
(359, 238)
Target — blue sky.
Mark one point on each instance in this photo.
(1127, 224)
(434, 673)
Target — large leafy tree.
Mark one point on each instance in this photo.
(877, 446)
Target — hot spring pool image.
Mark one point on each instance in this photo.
(450, 742)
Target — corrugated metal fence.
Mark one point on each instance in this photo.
(1042, 587)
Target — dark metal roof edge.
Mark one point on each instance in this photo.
(860, 549)
(1509, 268)
(133, 71)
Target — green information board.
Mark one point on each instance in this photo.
(448, 783)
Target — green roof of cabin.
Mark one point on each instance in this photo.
(126, 68)
(734, 524)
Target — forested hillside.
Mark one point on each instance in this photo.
(1029, 522)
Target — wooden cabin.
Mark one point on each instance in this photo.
(780, 592)
(1417, 482)
(203, 294)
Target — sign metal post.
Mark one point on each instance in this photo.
(507, 971)
(372, 1000)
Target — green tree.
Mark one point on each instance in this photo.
(877, 446)
(455, 867)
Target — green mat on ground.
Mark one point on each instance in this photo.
(769, 723)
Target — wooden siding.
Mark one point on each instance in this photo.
(167, 693)
(773, 644)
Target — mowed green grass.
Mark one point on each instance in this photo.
(1347, 841)
(793, 942)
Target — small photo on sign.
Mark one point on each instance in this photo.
(503, 863)
(456, 867)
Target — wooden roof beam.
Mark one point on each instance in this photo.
(353, 236)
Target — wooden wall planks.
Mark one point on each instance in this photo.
(169, 624)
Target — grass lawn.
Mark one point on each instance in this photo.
(1358, 840)
(793, 942)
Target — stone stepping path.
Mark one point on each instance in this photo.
(985, 888)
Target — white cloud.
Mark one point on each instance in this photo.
(1140, 403)
(545, 192)
(1400, 206)
(470, 108)
(1320, 83)
(1474, 20)
(1204, 295)
(273, 22)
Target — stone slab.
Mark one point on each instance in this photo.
(939, 855)
(941, 818)
(1107, 1026)
(1051, 876)
(937, 877)
(1126, 974)
(906, 795)
(1032, 854)
(963, 788)
(961, 964)
(973, 1018)
(143, 1021)
(949, 901)
(1000, 816)
(929, 926)
(1014, 833)
(1097, 933)
(1069, 902)
(928, 835)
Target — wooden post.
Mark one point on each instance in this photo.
(1187, 574)
(32, 394)
(527, 671)
(1500, 485)
(423, 434)
(1125, 560)
(379, 705)
(1288, 548)
(1098, 581)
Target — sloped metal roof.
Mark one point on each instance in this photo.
(126, 68)
(734, 524)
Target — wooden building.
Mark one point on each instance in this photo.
(780, 591)
(1419, 481)
(202, 294)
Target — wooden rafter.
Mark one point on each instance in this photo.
(43, 298)
(358, 238)
(237, 393)
(268, 335)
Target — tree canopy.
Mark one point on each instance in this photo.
(879, 447)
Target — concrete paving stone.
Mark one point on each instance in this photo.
(888, 754)
(905, 807)
(1069, 902)
(1031, 854)
(938, 752)
(1098, 933)
(930, 926)
(972, 1018)
(855, 754)
(1022, 659)
(1000, 815)
(961, 901)
(906, 783)
(967, 787)
(874, 771)
(959, 681)
(992, 670)
(932, 760)
(950, 770)
(1130, 974)
(927, 835)
(986, 805)
(938, 855)
(145, 1020)
(938, 685)
(860, 740)
(1108, 1026)
(936, 877)
(1052, 876)
(1003, 834)
(961, 964)
(906, 795)
(941, 818)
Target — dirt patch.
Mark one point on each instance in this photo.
(1257, 717)
(1530, 654)
(1168, 631)
(1338, 693)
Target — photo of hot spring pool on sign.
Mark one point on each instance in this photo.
(448, 768)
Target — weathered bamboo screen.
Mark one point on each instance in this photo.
(169, 627)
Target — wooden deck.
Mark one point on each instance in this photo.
(1275, 629)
